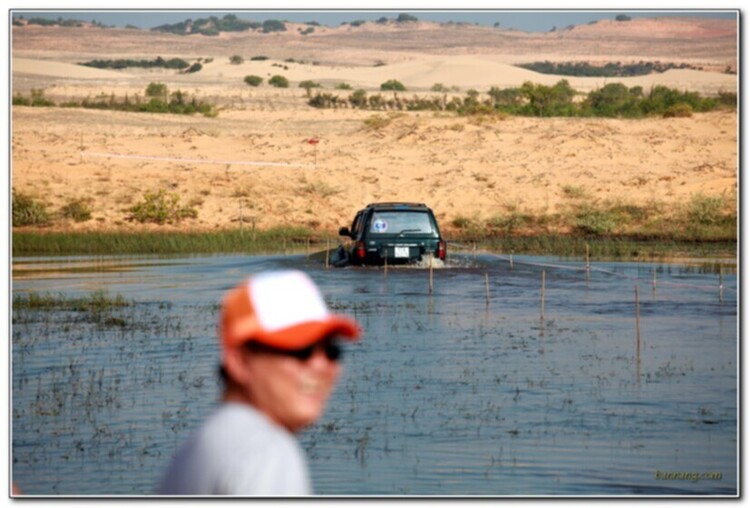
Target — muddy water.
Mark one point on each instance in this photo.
(447, 393)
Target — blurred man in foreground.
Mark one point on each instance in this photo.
(280, 362)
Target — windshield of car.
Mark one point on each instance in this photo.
(402, 222)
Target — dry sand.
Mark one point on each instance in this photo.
(253, 161)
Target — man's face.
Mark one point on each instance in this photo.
(291, 391)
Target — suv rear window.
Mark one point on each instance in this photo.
(397, 222)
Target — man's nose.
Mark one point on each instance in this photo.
(319, 359)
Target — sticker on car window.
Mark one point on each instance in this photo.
(380, 226)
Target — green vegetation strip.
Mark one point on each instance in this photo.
(291, 240)
(272, 241)
(609, 70)
(620, 248)
(158, 99)
(95, 302)
(560, 100)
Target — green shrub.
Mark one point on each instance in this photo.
(38, 99)
(196, 67)
(324, 100)
(253, 80)
(405, 18)
(308, 85)
(279, 81)
(508, 223)
(28, 212)
(156, 90)
(728, 99)
(614, 99)
(258, 58)
(161, 208)
(574, 191)
(358, 99)
(705, 210)
(593, 221)
(378, 122)
(236, 60)
(548, 101)
(20, 100)
(680, 110)
(77, 209)
(393, 85)
(273, 25)
(462, 222)
(347, 86)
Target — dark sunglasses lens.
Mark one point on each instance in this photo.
(302, 354)
(332, 352)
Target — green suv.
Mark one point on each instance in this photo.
(393, 233)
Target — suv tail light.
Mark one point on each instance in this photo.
(361, 250)
(441, 249)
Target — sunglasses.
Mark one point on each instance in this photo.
(332, 350)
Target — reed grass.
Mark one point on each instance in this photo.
(97, 301)
(613, 248)
(245, 240)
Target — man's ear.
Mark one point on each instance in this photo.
(235, 364)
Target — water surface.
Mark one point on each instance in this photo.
(446, 394)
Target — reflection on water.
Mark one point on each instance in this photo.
(446, 393)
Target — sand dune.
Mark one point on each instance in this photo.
(459, 166)
(417, 74)
(63, 70)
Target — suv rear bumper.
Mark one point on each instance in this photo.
(396, 254)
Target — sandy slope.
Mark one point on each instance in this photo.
(457, 167)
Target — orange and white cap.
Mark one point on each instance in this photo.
(283, 309)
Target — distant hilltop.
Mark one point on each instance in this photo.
(213, 25)
(669, 42)
(620, 24)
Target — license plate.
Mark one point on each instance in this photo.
(401, 252)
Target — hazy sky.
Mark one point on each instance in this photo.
(529, 21)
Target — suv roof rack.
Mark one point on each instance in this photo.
(396, 203)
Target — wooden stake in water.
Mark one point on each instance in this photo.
(307, 248)
(588, 264)
(511, 261)
(721, 284)
(653, 280)
(430, 273)
(544, 273)
(637, 322)
(487, 287)
(637, 337)
(385, 265)
(328, 253)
